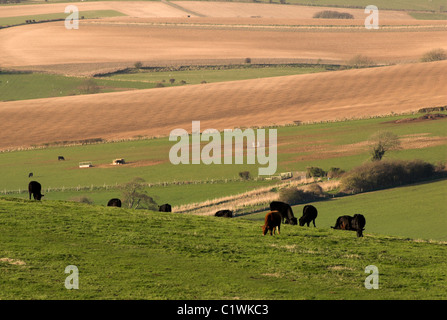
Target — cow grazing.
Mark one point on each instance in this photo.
(310, 213)
(285, 210)
(114, 203)
(356, 223)
(30, 175)
(35, 188)
(165, 208)
(224, 213)
(60, 158)
(272, 222)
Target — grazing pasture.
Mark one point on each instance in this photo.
(420, 213)
(126, 254)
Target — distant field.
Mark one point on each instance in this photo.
(432, 5)
(197, 76)
(416, 211)
(23, 86)
(313, 97)
(49, 16)
(326, 145)
(428, 16)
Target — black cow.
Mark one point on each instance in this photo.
(59, 158)
(356, 223)
(165, 208)
(285, 210)
(114, 203)
(310, 213)
(35, 188)
(224, 213)
(30, 175)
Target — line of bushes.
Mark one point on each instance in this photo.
(330, 14)
(387, 174)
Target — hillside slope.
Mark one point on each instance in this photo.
(247, 103)
(123, 254)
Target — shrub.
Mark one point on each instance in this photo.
(315, 172)
(245, 175)
(335, 173)
(295, 196)
(138, 65)
(89, 86)
(248, 60)
(386, 174)
(172, 81)
(315, 189)
(434, 55)
(360, 61)
(329, 14)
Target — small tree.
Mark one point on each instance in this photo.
(135, 196)
(383, 141)
(89, 86)
(138, 65)
(434, 55)
(172, 81)
(245, 175)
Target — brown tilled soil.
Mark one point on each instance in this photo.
(279, 100)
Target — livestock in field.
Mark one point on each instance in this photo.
(356, 223)
(224, 213)
(310, 213)
(272, 222)
(115, 202)
(35, 189)
(285, 210)
(60, 158)
(30, 175)
(165, 208)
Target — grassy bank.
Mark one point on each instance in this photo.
(124, 254)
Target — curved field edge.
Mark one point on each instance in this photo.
(123, 254)
(415, 211)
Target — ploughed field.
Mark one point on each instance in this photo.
(280, 100)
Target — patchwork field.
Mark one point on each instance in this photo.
(101, 92)
(154, 112)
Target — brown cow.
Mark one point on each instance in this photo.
(272, 222)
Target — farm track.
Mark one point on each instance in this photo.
(325, 96)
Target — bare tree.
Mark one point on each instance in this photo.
(382, 142)
(135, 196)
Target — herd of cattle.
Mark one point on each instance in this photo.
(281, 212)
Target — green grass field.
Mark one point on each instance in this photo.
(433, 5)
(23, 86)
(93, 14)
(153, 156)
(415, 211)
(124, 254)
(208, 75)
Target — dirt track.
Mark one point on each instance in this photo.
(281, 100)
